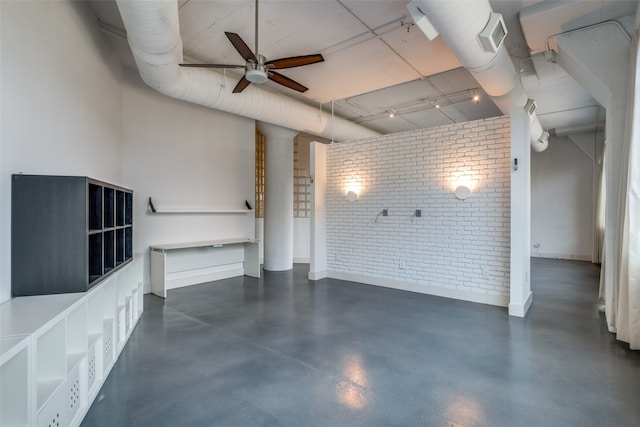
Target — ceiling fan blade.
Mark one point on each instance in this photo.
(294, 61)
(212, 65)
(241, 47)
(286, 81)
(242, 85)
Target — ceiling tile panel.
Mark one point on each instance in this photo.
(429, 118)
(482, 110)
(392, 125)
(384, 99)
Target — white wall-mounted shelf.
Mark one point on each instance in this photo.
(200, 211)
(152, 209)
(57, 350)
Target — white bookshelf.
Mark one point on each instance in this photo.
(57, 350)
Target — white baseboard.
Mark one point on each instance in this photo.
(555, 255)
(422, 288)
(301, 260)
(317, 275)
(520, 310)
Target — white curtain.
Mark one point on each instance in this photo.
(627, 295)
(597, 254)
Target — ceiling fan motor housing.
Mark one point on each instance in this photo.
(257, 73)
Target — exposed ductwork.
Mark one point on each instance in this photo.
(475, 35)
(153, 33)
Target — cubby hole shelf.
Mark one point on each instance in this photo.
(95, 207)
(14, 387)
(46, 389)
(109, 208)
(94, 338)
(73, 359)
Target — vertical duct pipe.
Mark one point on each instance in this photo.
(460, 24)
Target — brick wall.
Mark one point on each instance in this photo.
(457, 248)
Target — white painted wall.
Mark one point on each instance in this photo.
(61, 98)
(458, 249)
(562, 202)
(301, 243)
(520, 296)
(185, 155)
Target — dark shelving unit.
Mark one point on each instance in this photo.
(67, 233)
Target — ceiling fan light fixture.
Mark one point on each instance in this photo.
(256, 76)
(257, 73)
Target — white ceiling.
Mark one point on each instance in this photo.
(375, 59)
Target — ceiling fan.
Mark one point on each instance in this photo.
(257, 68)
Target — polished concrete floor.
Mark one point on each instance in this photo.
(283, 351)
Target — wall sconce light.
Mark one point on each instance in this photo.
(353, 189)
(462, 187)
(476, 98)
(462, 192)
(352, 196)
(392, 113)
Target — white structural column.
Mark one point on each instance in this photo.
(318, 238)
(278, 197)
(520, 291)
(598, 59)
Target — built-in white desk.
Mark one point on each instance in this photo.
(183, 264)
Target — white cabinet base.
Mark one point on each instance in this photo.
(57, 350)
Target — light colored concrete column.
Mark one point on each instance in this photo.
(278, 197)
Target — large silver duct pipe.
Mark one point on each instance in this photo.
(460, 23)
(153, 33)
